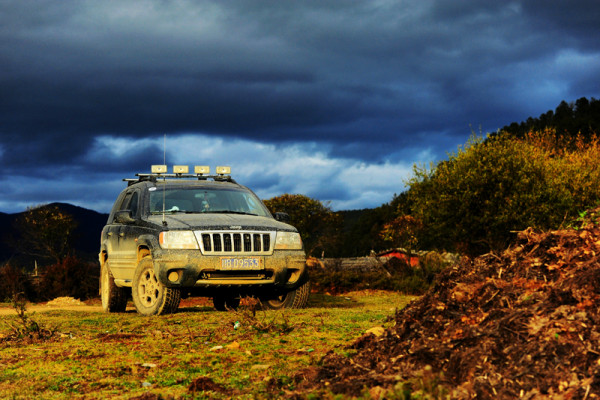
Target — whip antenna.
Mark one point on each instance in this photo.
(164, 221)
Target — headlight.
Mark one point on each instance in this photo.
(288, 241)
(178, 240)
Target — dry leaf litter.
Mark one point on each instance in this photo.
(521, 324)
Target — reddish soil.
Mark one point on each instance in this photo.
(521, 324)
(206, 384)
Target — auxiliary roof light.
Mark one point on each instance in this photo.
(181, 169)
(159, 169)
(201, 169)
(223, 170)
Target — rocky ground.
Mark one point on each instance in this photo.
(520, 324)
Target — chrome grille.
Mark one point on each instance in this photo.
(238, 242)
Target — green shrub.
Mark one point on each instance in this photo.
(488, 189)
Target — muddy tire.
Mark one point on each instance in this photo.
(149, 295)
(297, 298)
(114, 298)
(226, 303)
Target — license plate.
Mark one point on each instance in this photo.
(241, 264)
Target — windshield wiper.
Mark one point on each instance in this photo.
(230, 212)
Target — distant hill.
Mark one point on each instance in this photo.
(86, 236)
(357, 227)
(357, 230)
(6, 223)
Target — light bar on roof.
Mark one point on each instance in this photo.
(201, 169)
(223, 170)
(181, 169)
(159, 169)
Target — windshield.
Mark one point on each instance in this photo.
(205, 200)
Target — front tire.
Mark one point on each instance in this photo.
(296, 298)
(149, 295)
(114, 298)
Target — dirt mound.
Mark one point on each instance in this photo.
(65, 301)
(521, 324)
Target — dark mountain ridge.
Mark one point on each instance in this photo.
(86, 236)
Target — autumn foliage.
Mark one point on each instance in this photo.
(13, 281)
(402, 231)
(478, 198)
(72, 277)
(46, 232)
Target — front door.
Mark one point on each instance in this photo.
(123, 259)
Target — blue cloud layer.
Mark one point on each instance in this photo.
(379, 84)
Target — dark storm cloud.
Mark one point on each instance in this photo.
(578, 25)
(369, 80)
(103, 159)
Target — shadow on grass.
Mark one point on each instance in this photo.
(316, 300)
(204, 304)
(196, 309)
(323, 300)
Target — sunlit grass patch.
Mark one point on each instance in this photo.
(248, 353)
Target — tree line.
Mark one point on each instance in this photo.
(542, 173)
(568, 120)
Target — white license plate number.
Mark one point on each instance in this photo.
(241, 264)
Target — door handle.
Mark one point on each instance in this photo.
(121, 234)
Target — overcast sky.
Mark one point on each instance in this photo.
(332, 99)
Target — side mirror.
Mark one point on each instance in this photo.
(124, 217)
(282, 217)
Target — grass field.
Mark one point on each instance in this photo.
(196, 353)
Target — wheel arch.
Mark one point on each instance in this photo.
(102, 257)
(143, 251)
(146, 245)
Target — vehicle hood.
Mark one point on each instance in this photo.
(220, 222)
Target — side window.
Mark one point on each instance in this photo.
(125, 203)
(130, 202)
(133, 204)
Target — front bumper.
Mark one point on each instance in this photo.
(190, 269)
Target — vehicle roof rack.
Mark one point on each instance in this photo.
(155, 178)
(181, 172)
